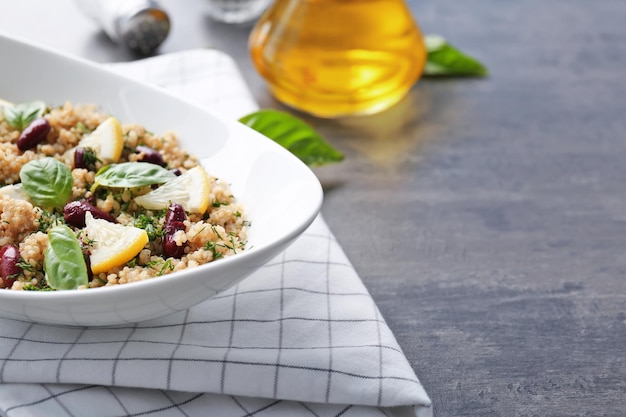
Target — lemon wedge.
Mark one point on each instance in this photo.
(113, 244)
(15, 191)
(107, 141)
(190, 190)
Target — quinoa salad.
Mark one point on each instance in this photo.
(88, 202)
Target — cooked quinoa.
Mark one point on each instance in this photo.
(219, 232)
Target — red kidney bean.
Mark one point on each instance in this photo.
(33, 134)
(79, 158)
(176, 171)
(174, 218)
(9, 259)
(85, 158)
(91, 199)
(74, 213)
(175, 213)
(175, 226)
(148, 154)
(171, 249)
(88, 265)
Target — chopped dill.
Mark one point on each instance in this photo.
(41, 286)
(216, 232)
(90, 158)
(232, 242)
(49, 219)
(152, 264)
(81, 126)
(167, 265)
(200, 231)
(161, 266)
(25, 266)
(212, 246)
(151, 225)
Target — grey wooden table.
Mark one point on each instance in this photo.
(486, 217)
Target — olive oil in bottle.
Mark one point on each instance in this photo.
(334, 58)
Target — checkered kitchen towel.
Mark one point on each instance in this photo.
(301, 337)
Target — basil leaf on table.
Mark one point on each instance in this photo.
(446, 60)
(21, 115)
(132, 174)
(63, 262)
(293, 134)
(47, 182)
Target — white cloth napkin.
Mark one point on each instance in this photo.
(300, 337)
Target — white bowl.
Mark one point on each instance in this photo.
(281, 195)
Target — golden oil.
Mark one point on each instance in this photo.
(333, 58)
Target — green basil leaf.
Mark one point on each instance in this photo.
(47, 182)
(295, 135)
(132, 174)
(21, 115)
(446, 60)
(64, 262)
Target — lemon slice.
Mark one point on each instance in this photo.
(15, 191)
(113, 244)
(190, 190)
(106, 140)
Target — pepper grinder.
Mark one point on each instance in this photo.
(139, 25)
